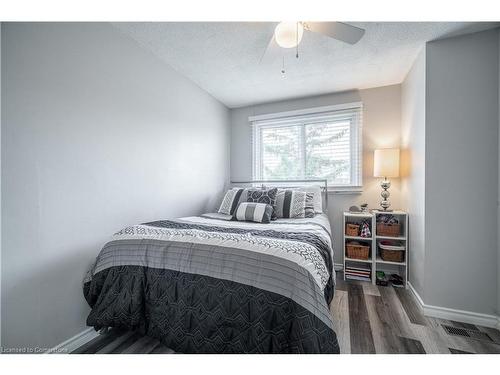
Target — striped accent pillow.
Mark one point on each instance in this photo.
(230, 201)
(258, 212)
(292, 204)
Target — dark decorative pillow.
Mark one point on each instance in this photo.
(267, 196)
(292, 204)
(230, 201)
(258, 212)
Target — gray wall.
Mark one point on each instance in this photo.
(0, 186)
(97, 134)
(461, 174)
(498, 201)
(381, 128)
(413, 165)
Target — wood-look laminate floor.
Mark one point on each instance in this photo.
(376, 319)
(367, 319)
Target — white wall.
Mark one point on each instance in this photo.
(461, 173)
(381, 128)
(413, 165)
(97, 134)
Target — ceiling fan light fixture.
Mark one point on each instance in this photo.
(288, 34)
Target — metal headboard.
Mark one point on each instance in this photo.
(282, 184)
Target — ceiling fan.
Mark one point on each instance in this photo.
(289, 34)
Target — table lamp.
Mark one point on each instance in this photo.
(386, 164)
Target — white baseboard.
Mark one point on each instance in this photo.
(74, 342)
(463, 316)
(416, 295)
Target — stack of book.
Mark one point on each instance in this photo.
(358, 272)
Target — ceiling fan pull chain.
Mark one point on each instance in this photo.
(283, 66)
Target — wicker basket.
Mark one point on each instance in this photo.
(355, 250)
(389, 230)
(352, 229)
(392, 252)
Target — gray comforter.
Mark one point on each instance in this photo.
(203, 285)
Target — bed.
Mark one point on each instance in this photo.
(208, 285)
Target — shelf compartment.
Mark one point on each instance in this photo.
(402, 221)
(360, 271)
(358, 220)
(358, 250)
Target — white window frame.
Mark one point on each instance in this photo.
(351, 111)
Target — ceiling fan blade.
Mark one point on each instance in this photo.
(337, 30)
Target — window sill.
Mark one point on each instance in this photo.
(342, 191)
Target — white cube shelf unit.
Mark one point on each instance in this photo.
(375, 262)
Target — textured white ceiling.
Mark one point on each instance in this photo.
(224, 58)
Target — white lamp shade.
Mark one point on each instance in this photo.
(386, 163)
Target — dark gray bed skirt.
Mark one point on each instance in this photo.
(193, 313)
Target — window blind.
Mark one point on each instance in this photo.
(325, 145)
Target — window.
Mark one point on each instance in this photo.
(322, 143)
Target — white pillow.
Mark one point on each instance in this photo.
(318, 200)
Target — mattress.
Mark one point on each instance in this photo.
(208, 285)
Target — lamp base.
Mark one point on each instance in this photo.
(385, 203)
